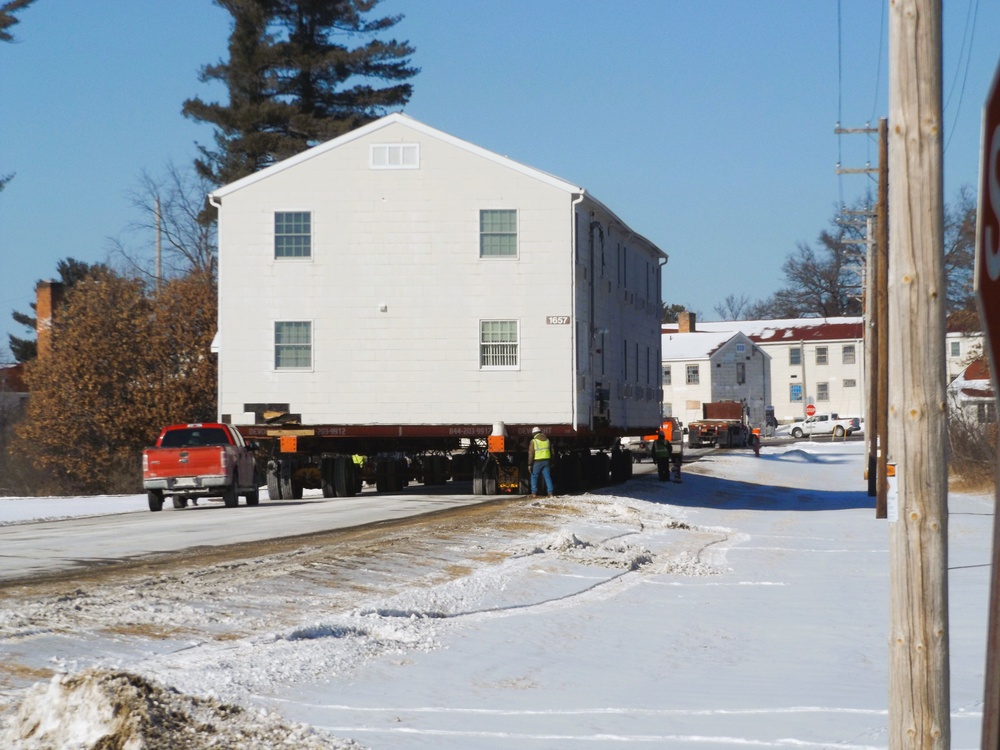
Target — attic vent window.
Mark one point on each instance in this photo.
(395, 156)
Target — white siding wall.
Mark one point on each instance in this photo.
(844, 399)
(408, 240)
(685, 398)
(753, 391)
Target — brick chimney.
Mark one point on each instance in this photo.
(685, 322)
(48, 296)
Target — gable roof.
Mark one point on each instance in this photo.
(696, 345)
(973, 382)
(792, 329)
(398, 118)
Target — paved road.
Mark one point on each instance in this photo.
(33, 550)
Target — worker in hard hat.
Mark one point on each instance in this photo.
(662, 452)
(539, 457)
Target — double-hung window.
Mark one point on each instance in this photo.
(292, 234)
(292, 345)
(849, 354)
(666, 375)
(822, 391)
(498, 233)
(795, 356)
(795, 392)
(498, 344)
(693, 375)
(822, 355)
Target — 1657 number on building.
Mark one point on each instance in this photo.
(557, 320)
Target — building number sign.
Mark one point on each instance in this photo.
(557, 320)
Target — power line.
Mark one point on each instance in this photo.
(968, 60)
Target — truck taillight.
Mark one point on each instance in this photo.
(145, 463)
(223, 460)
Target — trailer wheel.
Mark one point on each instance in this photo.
(478, 485)
(327, 470)
(180, 502)
(273, 486)
(343, 476)
(491, 484)
(285, 484)
(155, 498)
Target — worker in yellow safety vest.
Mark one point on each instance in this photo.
(662, 453)
(539, 456)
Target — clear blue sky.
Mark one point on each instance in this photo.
(708, 126)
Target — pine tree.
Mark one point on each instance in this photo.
(7, 20)
(71, 271)
(292, 84)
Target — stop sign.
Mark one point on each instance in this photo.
(810, 410)
(987, 281)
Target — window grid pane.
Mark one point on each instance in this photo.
(498, 343)
(292, 234)
(497, 233)
(293, 344)
(849, 354)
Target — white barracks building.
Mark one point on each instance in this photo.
(399, 275)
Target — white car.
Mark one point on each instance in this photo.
(822, 424)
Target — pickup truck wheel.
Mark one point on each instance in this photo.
(838, 431)
(155, 498)
(796, 433)
(229, 497)
(253, 496)
(179, 502)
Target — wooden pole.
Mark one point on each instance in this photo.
(881, 406)
(871, 365)
(919, 704)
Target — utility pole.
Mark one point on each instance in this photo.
(877, 324)
(159, 250)
(919, 704)
(880, 409)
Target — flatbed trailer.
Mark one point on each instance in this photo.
(340, 459)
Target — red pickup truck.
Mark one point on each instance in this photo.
(200, 460)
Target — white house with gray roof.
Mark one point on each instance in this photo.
(699, 367)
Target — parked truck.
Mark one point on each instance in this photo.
(724, 424)
(823, 424)
(640, 447)
(191, 461)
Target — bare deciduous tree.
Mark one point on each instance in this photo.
(170, 207)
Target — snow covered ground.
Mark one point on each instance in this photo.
(747, 606)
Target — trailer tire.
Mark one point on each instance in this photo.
(478, 484)
(285, 485)
(273, 486)
(326, 470)
(491, 484)
(343, 476)
(180, 502)
(155, 498)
